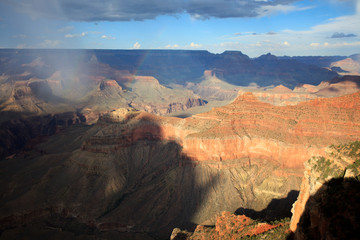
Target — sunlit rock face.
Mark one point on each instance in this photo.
(229, 226)
(348, 66)
(154, 173)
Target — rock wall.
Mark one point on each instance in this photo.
(17, 134)
(157, 173)
(320, 204)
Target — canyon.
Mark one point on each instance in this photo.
(155, 173)
(132, 144)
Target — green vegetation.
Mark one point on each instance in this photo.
(326, 168)
(351, 149)
(354, 167)
(279, 233)
(292, 122)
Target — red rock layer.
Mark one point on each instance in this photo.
(231, 227)
(249, 130)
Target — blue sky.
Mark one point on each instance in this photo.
(255, 27)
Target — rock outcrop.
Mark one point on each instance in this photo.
(15, 135)
(351, 66)
(157, 173)
(328, 203)
(229, 226)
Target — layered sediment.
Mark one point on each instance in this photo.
(156, 173)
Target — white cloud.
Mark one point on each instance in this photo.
(339, 24)
(136, 45)
(83, 34)
(66, 29)
(20, 36)
(108, 37)
(342, 44)
(303, 42)
(194, 45)
(267, 10)
(20, 46)
(174, 46)
(49, 43)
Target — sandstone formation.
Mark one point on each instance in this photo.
(214, 89)
(158, 99)
(93, 91)
(36, 82)
(27, 97)
(350, 66)
(169, 66)
(328, 203)
(282, 96)
(15, 135)
(156, 173)
(229, 226)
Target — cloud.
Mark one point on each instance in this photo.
(20, 46)
(342, 44)
(66, 29)
(49, 43)
(22, 36)
(194, 45)
(314, 44)
(266, 10)
(174, 46)
(108, 37)
(83, 34)
(342, 35)
(136, 45)
(126, 10)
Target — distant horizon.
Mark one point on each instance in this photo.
(254, 27)
(165, 49)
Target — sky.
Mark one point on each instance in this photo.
(254, 27)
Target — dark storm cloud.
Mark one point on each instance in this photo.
(125, 10)
(342, 35)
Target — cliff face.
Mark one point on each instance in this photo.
(350, 65)
(15, 135)
(248, 129)
(215, 88)
(156, 173)
(175, 66)
(328, 203)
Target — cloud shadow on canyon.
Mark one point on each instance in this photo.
(161, 187)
